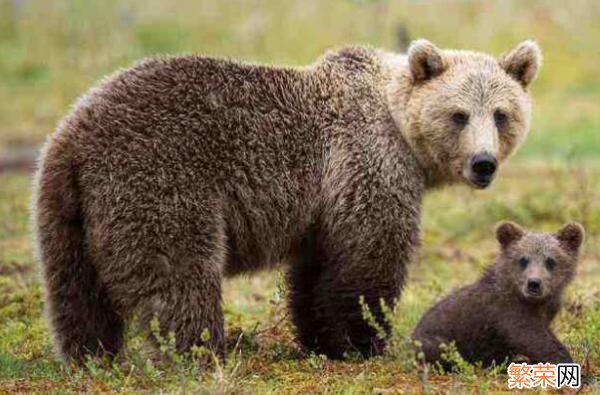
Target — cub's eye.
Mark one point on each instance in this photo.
(523, 262)
(460, 119)
(500, 119)
(550, 264)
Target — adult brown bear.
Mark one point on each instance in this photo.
(178, 171)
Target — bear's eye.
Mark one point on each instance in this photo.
(500, 119)
(523, 262)
(460, 119)
(550, 264)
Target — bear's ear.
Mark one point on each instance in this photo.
(570, 237)
(508, 232)
(523, 62)
(425, 60)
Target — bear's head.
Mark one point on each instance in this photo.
(537, 266)
(463, 112)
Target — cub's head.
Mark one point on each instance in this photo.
(537, 266)
(464, 112)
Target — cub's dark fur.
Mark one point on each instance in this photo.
(508, 312)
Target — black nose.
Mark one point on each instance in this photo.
(534, 285)
(484, 165)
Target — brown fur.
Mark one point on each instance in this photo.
(178, 171)
(497, 318)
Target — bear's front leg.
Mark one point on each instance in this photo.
(326, 303)
(358, 254)
(525, 336)
(343, 328)
(326, 291)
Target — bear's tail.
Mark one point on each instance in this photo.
(77, 305)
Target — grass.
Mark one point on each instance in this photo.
(458, 242)
(52, 51)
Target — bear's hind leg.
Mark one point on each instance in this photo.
(191, 309)
(83, 317)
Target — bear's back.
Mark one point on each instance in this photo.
(189, 132)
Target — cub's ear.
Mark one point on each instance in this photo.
(425, 60)
(570, 237)
(523, 62)
(508, 232)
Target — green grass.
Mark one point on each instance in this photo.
(458, 242)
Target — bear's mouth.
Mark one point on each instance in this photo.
(532, 295)
(481, 183)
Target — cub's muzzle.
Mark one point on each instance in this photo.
(534, 286)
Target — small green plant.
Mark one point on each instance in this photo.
(400, 346)
(316, 361)
(452, 358)
(370, 318)
(166, 344)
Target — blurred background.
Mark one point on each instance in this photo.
(52, 51)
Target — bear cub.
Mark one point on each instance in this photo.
(507, 313)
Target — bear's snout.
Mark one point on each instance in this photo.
(534, 286)
(483, 168)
